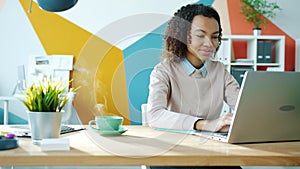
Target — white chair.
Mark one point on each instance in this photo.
(144, 123)
(5, 100)
(144, 115)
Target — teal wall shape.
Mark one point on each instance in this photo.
(12, 118)
(206, 2)
(139, 60)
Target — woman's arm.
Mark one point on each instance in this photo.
(157, 113)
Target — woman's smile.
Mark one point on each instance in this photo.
(206, 52)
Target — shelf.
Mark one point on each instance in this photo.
(268, 64)
(246, 46)
(238, 37)
(242, 64)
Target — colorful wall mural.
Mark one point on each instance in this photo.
(112, 63)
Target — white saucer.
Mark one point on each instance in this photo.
(111, 132)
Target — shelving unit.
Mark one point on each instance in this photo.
(230, 59)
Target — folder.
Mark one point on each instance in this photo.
(238, 73)
(268, 52)
(260, 52)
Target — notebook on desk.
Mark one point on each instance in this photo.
(267, 109)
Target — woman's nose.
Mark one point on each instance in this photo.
(208, 41)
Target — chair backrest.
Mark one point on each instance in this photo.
(21, 82)
(144, 115)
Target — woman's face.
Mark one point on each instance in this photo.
(203, 39)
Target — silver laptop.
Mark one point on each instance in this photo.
(267, 110)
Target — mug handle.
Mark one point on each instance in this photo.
(92, 123)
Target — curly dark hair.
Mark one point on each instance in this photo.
(179, 28)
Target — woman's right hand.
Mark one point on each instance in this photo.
(221, 124)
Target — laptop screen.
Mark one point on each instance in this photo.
(268, 108)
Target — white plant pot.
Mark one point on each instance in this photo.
(44, 125)
(256, 31)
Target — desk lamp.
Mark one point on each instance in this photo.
(54, 5)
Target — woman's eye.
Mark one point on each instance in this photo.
(200, 36)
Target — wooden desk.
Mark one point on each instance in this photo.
(146, 146)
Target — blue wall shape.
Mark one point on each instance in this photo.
(139, 60)
(205, 2)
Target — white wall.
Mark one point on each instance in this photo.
(18, 40)
(288, 18)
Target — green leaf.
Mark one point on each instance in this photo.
(254, 10)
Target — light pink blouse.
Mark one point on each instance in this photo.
(177, 99)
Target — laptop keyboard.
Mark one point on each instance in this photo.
(222, 135)
(64, 129)
(68, 129)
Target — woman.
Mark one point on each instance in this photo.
(187, 88)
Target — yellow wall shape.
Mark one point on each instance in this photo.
(57, 35)
(96, 62)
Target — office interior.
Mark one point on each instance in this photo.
(114, 46)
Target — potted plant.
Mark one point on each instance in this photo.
(45, 100)
(255, 10)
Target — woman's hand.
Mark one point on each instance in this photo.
(221, 124)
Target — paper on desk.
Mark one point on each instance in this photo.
(55, 144)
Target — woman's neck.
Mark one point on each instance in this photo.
(196, 62)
